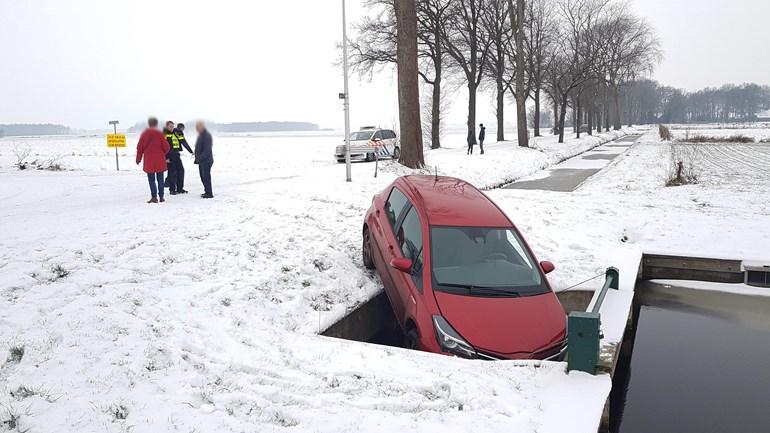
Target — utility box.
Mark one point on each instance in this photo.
(584, 337)
(756, 274)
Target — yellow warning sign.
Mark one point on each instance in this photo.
(116, 140)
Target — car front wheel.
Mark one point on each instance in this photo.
(366, 251)
(396, 153)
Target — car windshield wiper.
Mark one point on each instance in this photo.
(483, 290)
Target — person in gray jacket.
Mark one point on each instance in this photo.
(204, 157)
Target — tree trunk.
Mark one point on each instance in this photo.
(408, 86)
(555, 118)
(579, 116)
(562, 120)
(500, 108)
(521, 98)
(435, 121)
(537, 112)
(590, 116)
(472, 110)
(599, 119)
(616, 107)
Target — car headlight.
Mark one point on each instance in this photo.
(450, 341)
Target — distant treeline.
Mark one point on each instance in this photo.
(247, 127)
(647, 101)
(22, 129)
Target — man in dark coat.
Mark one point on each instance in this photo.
(176, 141)
(204, 157)
(152, 148)
(482, 136)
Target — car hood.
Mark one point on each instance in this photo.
(506, 326)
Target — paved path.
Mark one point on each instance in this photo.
(570, 174)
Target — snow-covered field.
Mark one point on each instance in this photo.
(202, 315)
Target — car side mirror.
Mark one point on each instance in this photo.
(547, 267)
(401, 264)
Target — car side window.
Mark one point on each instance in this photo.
(395, 206)
(410, 241)
(377, 135)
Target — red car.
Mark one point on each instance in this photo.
(461, 279)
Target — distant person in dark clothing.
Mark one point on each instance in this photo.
(482, 136)
(204, 157)
(176, 141)
(153, 148)
(471, 142)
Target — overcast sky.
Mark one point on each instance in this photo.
(84, 62)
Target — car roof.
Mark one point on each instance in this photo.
(449, 201)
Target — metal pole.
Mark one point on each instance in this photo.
(347, 96)
(117, 161)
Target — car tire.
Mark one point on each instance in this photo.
(412, 339)
(370, 157)
(366, 250)
(396, 153)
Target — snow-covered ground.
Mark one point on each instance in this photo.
(202, 315)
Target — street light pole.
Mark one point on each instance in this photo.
(347, 96)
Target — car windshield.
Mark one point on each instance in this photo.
(361, 136)
(483, 261)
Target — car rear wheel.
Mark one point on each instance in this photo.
(366, 251)
(412, 339)
(370, 157)
(396, 153)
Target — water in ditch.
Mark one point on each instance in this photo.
(698, 362)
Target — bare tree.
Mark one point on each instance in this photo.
(468, 46)
(498, 30)
(630, 49)
(540, 32)
(408, 85)
(432, 16)
(576, 56)
(376, 47)
(521, 95)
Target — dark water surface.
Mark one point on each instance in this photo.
(700, 364)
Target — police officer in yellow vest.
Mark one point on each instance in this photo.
(176, 141)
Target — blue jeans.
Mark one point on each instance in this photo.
(152, 177)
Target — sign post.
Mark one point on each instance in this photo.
(116, 141)
(346, 95)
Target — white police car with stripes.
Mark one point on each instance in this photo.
(370, 143)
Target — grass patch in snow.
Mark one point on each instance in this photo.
(10, 419)
(15, 355)
(732, 139)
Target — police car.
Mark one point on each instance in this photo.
(370, 143)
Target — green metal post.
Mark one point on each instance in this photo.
(584, 330)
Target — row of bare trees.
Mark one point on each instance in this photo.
(646, 101)
(578, 54)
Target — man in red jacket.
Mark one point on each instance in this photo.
(153, 147)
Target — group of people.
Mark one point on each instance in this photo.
(161, 152)
(472, 139)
